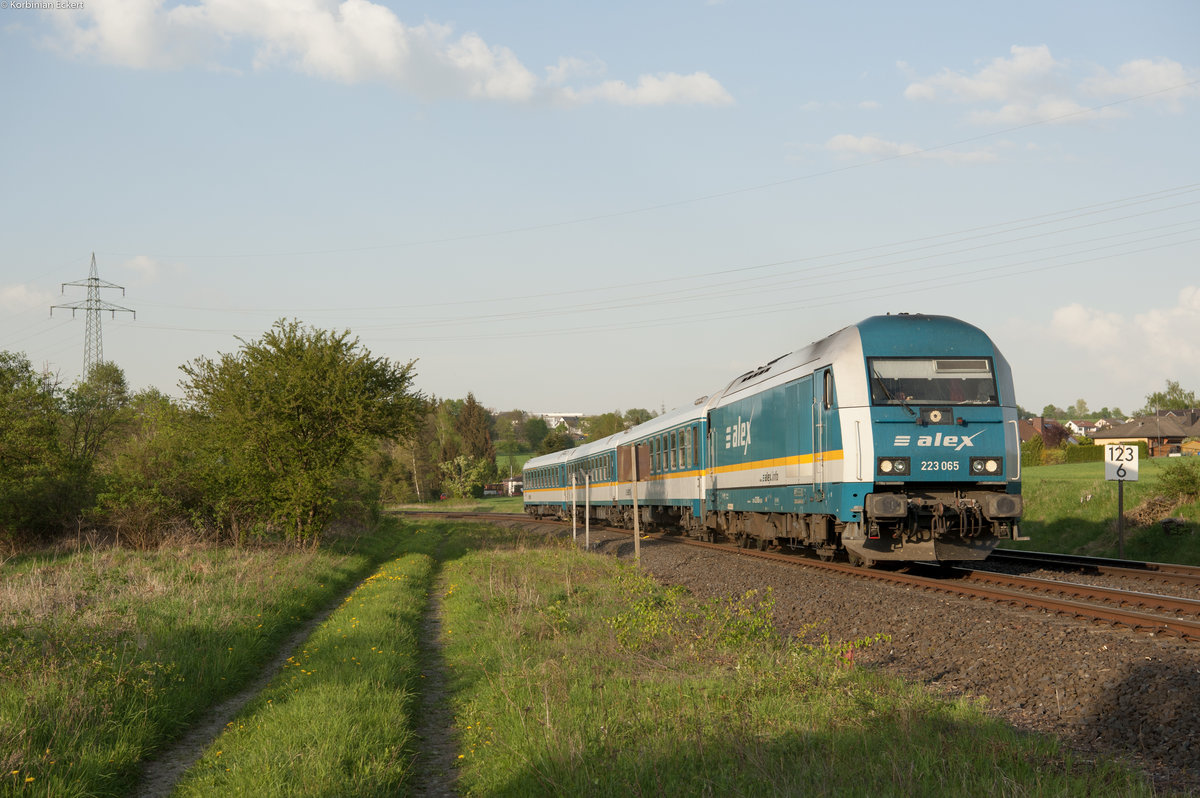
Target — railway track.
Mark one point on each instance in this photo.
(1142, 612)
(1166, 573)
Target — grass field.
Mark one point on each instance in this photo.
(576, 675)
(106, 654)
(1072, 509)
(568, 674)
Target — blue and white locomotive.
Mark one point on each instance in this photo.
(893, 439)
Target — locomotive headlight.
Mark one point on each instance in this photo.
(892, 466)
(985, 466)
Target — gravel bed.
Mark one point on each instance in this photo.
(1100, 689)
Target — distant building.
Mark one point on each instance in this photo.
(571, 421)
(1053, 433)
(1084, 427)
(1163, 434)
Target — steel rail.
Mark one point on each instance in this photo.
(1147, 601)
(1163, 572)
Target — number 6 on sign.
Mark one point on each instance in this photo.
(1120, 462)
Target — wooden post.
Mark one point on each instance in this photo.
(587, 513)
(574, 514)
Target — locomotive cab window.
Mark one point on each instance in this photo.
(926, 381)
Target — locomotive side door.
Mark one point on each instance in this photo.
(822, 410)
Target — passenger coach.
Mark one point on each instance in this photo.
(893, 439)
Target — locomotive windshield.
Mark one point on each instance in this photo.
(932, 381)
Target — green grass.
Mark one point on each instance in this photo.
(345, 700)
(576, 675)
(1072, 509)
(108, 654)
(488, 504)
(570, 674)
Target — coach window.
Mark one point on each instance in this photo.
(686, 437)
(674, 451)
(828, 390)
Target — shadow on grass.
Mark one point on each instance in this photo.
(1066, 536)
(933, 757)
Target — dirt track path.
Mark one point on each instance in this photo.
(161, 774)
(436, 771)
(435, 767)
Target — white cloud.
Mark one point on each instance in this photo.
(875, 147)
(345, 40)
(1162, 78)
(698, 88)
(1030, 72)
(568, 68)
(18, 298)
(1149, 347)
(1031, 85)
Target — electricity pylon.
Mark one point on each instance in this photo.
(93, 346)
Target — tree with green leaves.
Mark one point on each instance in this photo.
(31, 455)
(638, 415)
(474, 427)
(149, 473)
(1173, 398)
(536, 430)
(465, 476)
(556, 441)
(290, 416)
(603, 425)
(1050, 411)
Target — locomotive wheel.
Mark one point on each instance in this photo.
(860, 561)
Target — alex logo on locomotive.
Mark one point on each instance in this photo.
(955, 442)
(737, 436)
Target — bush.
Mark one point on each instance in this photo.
(1085, 454)
(1181, 478)
(1031, 452)
(1055, 456)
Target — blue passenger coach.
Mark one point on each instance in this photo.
(893, 439)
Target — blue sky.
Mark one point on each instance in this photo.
(609, 206)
